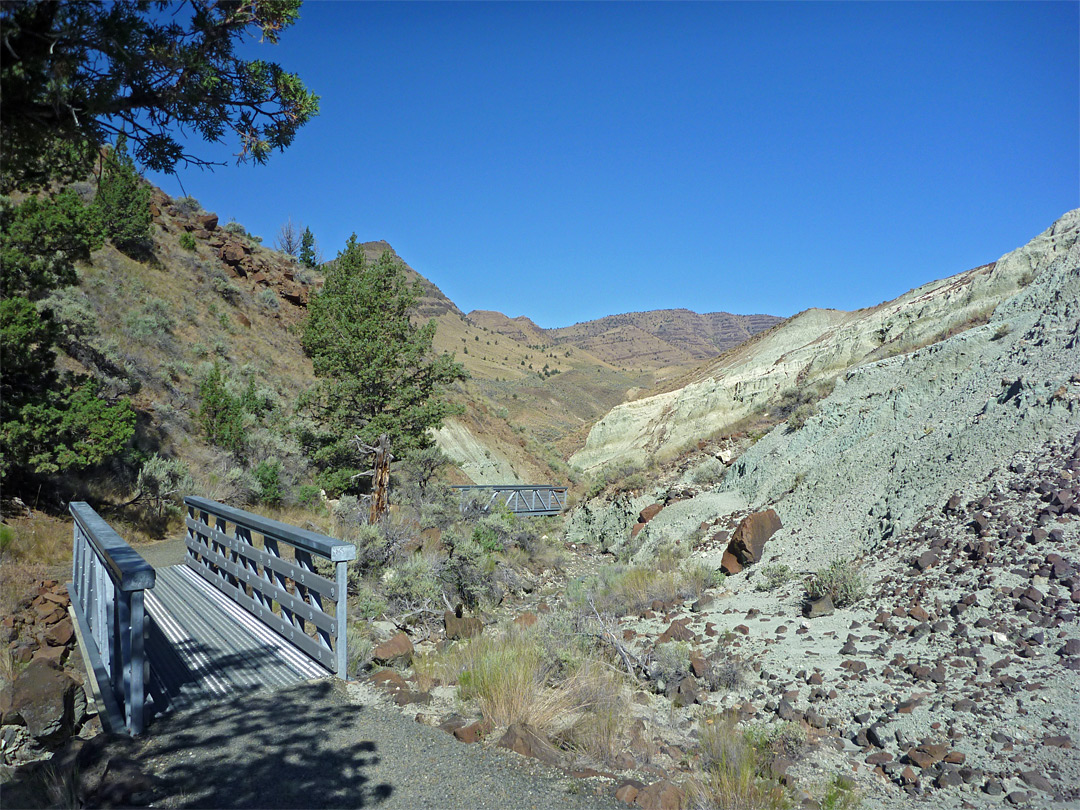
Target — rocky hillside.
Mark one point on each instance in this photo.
(941, 483)
(657, 339)
(533, 392)
(816, 346)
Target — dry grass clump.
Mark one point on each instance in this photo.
(507, 674)
(623, 589)
(734, 771)
(542, 676)
(772, 576)
(40, 538)
(841, 580)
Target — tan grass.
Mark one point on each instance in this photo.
(733, 770)
(602, 712)
(39, 538)
(513, 680)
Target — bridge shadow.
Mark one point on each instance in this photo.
(174, 686)
(296, 747)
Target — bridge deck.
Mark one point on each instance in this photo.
(203, 647)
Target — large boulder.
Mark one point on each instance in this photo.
(396, 650)
(44, 698)
(232, 253)
(527, 741)
(749, 538)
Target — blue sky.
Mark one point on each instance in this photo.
(568, 161)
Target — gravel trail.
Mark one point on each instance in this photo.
(320, 745)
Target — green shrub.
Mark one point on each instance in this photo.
(268, 475)
(366, 601)
(734, 770)
(163, 482)
(308, 495)
(841, 580)
(360, 647)
(153, 320)
(412, 582)
(186, 206)
(221, 414)
(268, 298)
(41, 238)
(800, 416)
(187, 241)
(840, 794)
(7, 537)
(772, 576)
(487, 538)
(709, 472)
(670, 662)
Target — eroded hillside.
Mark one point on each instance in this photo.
(814, 347)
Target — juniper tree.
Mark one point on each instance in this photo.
(123, 200)
(377, 372)
(307, 249)
(75, 75)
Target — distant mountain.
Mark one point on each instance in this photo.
(657, 339)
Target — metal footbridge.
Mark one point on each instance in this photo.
(256, 604)
(521, 499)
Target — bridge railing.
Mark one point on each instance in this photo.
(286, 594)
(108, 581)
(521, 499)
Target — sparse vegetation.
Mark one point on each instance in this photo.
(734, 770)
(772, 576)
(840, 580)
(840, 794)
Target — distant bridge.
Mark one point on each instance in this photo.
(521, 499)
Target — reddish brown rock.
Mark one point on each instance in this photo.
(207, 222)
(473, 732)
(526, 619)
(729, 563)
(662, 795)
(461, 627)
(649, 512)
(389, 679)
(918, 614)
(698, 665)
(60, 633)
(752, 533)
(232, 253)
(396, 650)
(527, 741)
(627, 792)
(44, 698)
(926, 756)
(677, 631)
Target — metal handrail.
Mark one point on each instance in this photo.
(261, 579)
(108, 582)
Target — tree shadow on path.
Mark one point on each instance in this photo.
(296, 747)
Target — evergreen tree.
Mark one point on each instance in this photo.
(75, 74)
(48, 422)
(377, 371)
(123, 200)
(307, 249)
(41, 238)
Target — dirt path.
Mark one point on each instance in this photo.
(314, 746)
